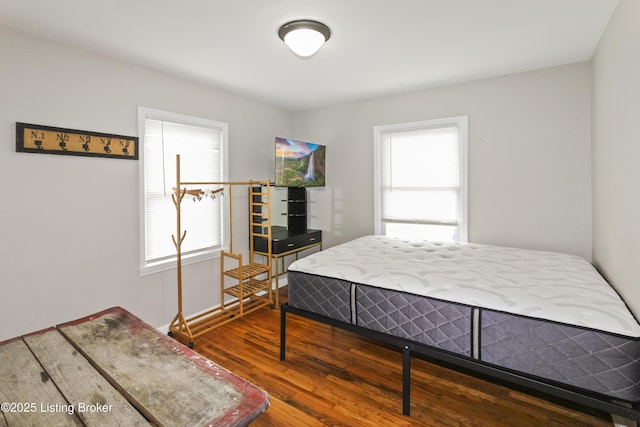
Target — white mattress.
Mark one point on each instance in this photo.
(544, 285)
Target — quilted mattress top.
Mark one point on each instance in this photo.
(544, 285)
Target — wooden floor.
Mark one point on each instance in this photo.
(335, 378)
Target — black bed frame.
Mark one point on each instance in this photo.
(581, 397)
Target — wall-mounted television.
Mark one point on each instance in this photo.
(299, 164)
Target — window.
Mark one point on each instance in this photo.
(202, 145)
(420, 180)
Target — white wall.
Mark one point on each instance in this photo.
(529, 157)
(69, 225)
(616, 153)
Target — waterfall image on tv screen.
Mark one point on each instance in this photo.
(299, 164)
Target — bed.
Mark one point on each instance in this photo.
(542, 320)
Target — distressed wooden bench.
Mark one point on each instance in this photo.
(112, 368)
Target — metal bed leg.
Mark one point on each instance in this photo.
(406, 380)
(283, 332)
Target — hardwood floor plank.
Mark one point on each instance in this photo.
(281, 410)
(333, 377)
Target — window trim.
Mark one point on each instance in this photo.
(169, 262)
(459, 121)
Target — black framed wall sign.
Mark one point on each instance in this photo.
(52, 140)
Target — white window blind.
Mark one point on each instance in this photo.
(201, 145)
(421, 180)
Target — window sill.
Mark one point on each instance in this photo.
(171, 263)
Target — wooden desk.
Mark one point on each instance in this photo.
(286, 242)
(111, 369)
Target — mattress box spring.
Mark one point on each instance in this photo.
(591, 360)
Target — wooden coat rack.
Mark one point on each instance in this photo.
(251, 288)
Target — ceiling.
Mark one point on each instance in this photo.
(377, 47)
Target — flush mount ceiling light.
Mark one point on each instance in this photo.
(304, 37)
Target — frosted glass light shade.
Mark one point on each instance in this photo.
(304, 42)
(304, 38)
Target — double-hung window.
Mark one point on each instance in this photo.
(421, 180)
(202, 146)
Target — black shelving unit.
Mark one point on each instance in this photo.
(290, 240)
(296, 209)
